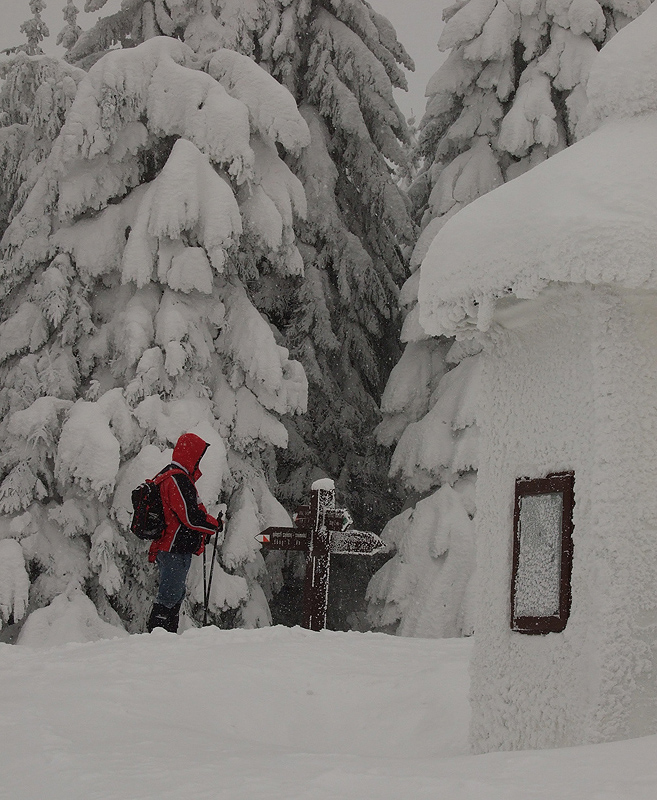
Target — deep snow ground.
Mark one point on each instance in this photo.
(276, 714)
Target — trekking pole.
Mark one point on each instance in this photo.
(207, 596)
(205, 589)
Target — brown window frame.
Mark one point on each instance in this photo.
(564, 483)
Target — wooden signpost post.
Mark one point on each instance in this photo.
(320, 530)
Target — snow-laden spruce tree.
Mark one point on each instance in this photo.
(340, 59)
(126, 320)
(509, 95)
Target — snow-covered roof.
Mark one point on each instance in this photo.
(588, 214)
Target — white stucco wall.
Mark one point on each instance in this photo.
(574, 388)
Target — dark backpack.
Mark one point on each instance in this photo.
(148, 517)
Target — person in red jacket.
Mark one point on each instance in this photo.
(187, 528)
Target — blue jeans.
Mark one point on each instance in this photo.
(173, 569)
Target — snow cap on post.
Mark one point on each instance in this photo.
(326, 484)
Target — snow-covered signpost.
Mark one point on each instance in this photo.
(320, 529)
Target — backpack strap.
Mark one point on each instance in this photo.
(162, 476)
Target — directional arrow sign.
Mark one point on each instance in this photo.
(352, 542)
(320, 530)
(283, 539)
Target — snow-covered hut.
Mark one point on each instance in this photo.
(556, 271)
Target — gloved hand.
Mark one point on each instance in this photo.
(221, 516)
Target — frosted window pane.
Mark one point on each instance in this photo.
(538, 580)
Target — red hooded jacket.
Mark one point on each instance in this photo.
(188, 524)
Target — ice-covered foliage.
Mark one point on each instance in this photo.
(430, 408)
(35, 94)
(70, 33)
(442, 442)
(272, 109)
(425, 589)
(127, 320)
(335, 306)
(510, 94)
(35, 29)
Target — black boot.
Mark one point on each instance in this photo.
(159, 617)
(172, 621)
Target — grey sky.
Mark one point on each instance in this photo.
(417, 22)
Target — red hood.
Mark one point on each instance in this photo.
(188, 452)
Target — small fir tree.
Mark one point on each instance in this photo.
(126, 320)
